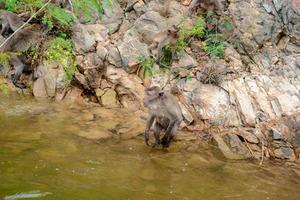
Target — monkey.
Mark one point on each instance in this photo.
(162, 39)
(216, 4)
(9, 21)
(164, 109)
(21, 42)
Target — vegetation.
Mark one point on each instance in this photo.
(211, 75)
(60, 50)
(56, 16)
(146, 64)
(4, 60)
(58, 21)
(3, 87)
(185, 35)
(88, 7)
(211, 30)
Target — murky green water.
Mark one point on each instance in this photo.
(39, 151)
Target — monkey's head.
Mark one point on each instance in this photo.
(152, 95)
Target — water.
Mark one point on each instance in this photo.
(41, 157)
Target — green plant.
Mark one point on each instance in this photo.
(61, 51)
(166, 59)
(4, 60)
(214, 45)
(4, 88)
(22, 5)
(55, 15)
(146, 63)
(196, 31)
(88, 7)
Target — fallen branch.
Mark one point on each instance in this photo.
(34, 14)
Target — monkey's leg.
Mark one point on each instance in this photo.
(148, 126)
(5, 27)
(19, 67)
(170, 133)
(157, 129)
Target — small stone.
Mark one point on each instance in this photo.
(99, 92)
(276, 135)
(114, 57)
(250, 137)
(284, 153)
(102, 52)
(109, 98)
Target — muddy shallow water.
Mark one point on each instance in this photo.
(41, 154)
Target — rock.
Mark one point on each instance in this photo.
(108, 99)
(39, 89)
(250, 137)
(213, 103)
(298, 62)
(187, 116)
(112, 10)
(102, 52)
(139, 8)
(99, 92)
(276, 135)
(82, 40)
(52, 76)
(92, 60)
(81, 79)
(296, 139)
(93, 77)
(234, 58)
(74, 96)
(131, 48)
(284, 153)
(231, 147)
(131, 82)
(97, 31)
(114, 57)
(149, 24)
(127, 99)
(186, 61)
